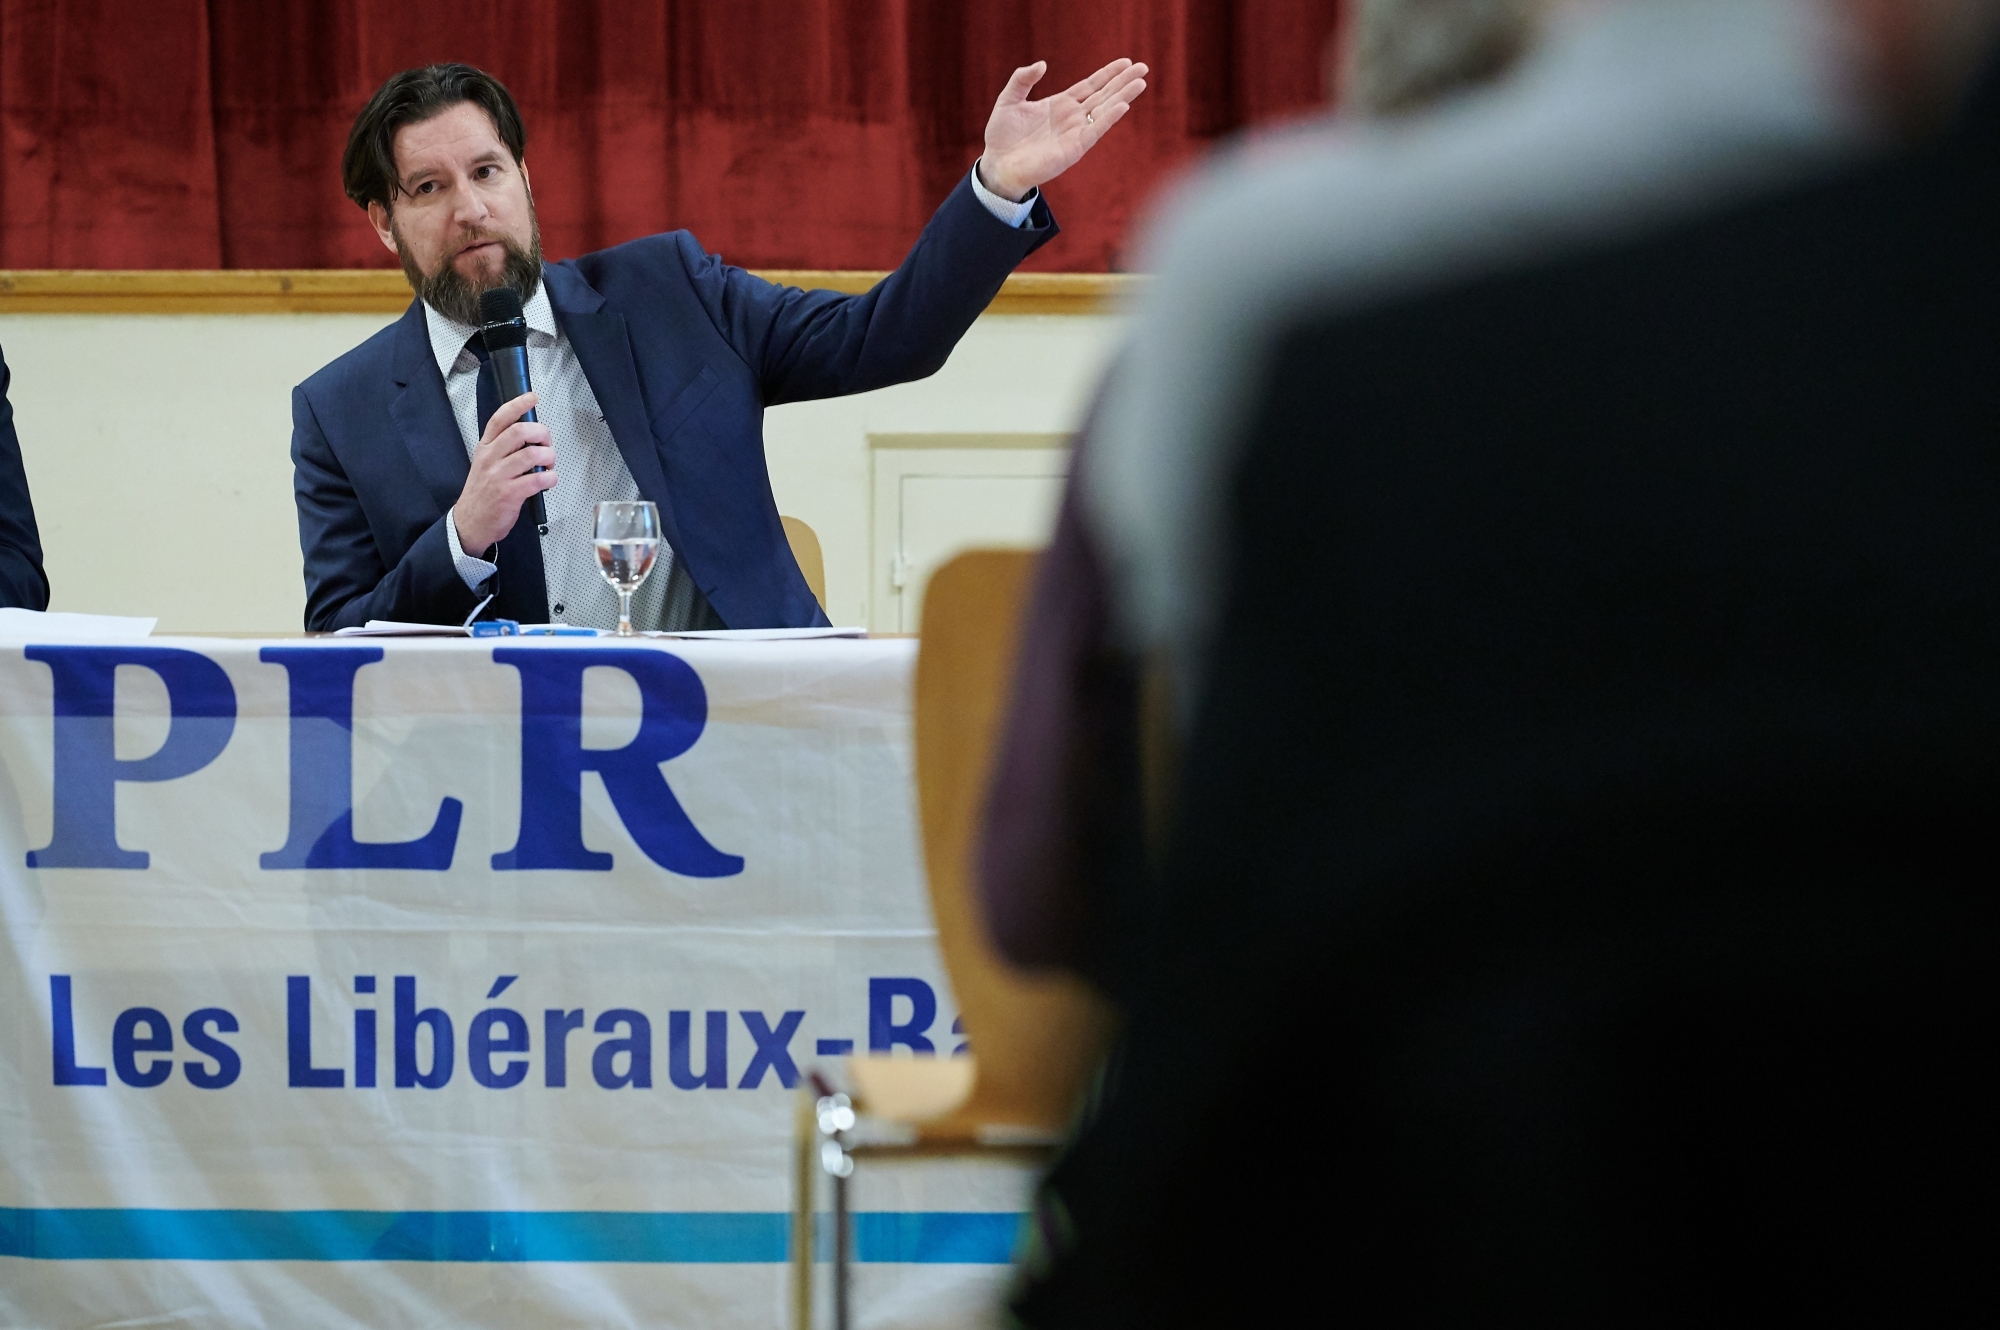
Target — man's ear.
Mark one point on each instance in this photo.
(378, 217)
(524, 176)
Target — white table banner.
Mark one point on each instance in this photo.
(456, 982)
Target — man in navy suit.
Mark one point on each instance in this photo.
(23, 584)
(652, 362)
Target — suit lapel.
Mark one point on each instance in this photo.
(422, 412)
(604, 349)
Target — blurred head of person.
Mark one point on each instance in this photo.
(1390, 57)
(1913, 58)
(436, 159)
(1917, 57)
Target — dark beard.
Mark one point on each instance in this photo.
(458, 299)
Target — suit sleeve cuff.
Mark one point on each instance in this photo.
(474, 572)
(1008, 211)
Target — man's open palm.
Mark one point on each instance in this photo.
(1030, 143)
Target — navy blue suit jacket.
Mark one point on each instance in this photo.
(683, 353)
(23, 584)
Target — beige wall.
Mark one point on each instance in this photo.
(156, 446)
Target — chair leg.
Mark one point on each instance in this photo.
(824, 1117)
(842, 1251)
(805, 1170)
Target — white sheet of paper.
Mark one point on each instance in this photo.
(61, 626)
(761, 634)
(390, 628)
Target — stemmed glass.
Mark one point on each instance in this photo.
(628, 540)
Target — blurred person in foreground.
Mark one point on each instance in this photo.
(1061, 862)
(652, 363)
(1576, 903)
(1624, 115)
(23, 584)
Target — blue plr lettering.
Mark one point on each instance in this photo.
(674, 708)
(322, 765)
(202, 715)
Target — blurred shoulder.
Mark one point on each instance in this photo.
(1614, 124)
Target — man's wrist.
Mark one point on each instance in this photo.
(998, 184)
(1008, 211)
(457, 532)
(472, 570)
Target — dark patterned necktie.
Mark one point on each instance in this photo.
(489, 387)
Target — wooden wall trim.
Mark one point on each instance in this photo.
(383, 291)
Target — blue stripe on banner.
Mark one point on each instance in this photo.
(928, 1238)
(690, 1237)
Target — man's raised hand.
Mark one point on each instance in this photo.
(503, 476)
(1031, 143)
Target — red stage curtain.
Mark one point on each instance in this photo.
(784, 133)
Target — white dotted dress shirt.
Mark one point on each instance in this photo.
(589, 467)
(589, 470)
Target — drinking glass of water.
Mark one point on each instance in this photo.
(628, 539)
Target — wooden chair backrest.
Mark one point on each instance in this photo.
(805, 549)
(1036, 1037)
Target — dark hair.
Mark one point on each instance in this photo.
(368, 167)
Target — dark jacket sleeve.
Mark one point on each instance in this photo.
(23, 584)
(811, 344)
(346, 583)
(1062, 860)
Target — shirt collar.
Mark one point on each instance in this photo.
(448, 336)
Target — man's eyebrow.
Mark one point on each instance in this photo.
(419, 174)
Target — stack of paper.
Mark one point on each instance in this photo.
(60, 626)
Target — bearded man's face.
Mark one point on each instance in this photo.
(464, 217)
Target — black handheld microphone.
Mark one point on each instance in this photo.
(504, 329)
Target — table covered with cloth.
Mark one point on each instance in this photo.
(457, 981)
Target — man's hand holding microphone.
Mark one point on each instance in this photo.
(503, 476)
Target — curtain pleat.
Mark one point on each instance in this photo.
(784, 133)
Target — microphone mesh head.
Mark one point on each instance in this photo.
(499, 305)
(500, 312)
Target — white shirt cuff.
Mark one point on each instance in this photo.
(1008, 211)
(473, 572)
